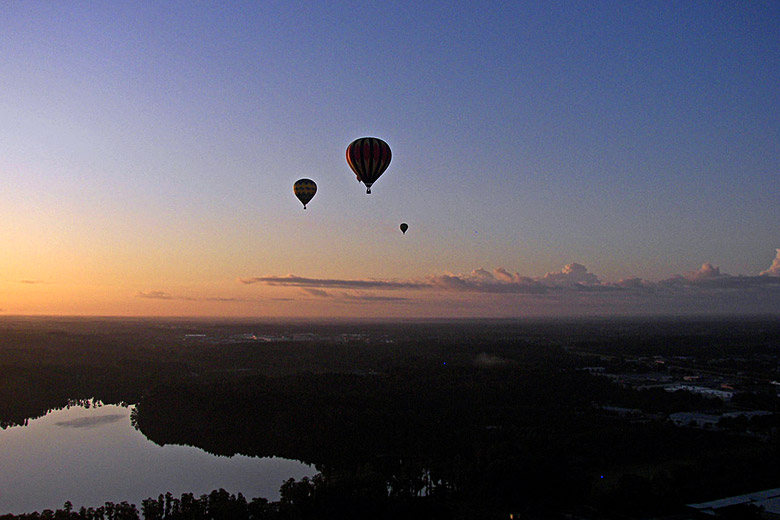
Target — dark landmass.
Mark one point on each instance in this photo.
(629, 418)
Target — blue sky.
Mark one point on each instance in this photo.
(151, 148)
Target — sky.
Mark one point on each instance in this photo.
(550, 158)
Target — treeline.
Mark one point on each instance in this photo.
(510, 435)
(217, 505)
(731, 340)
(434, 420)
(310, 499)
(28, 392)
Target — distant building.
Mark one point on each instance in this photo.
(749, 414)
(723, 395)
(768, 500)
(698, 419)
(706, 420)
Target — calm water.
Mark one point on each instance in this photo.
(93, 455)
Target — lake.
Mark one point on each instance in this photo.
(91, 455)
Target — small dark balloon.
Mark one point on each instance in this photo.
(404, 226)
(304, 189)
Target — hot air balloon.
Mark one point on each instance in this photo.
(404, 226)
(304, 189)
(368, 157)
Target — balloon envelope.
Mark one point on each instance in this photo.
(368, 157)
(304, 189)
(404, 226)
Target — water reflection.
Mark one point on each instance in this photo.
(90, 422)
(92, 454)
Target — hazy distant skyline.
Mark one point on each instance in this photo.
(550, 158)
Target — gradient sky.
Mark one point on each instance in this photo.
(551, 158)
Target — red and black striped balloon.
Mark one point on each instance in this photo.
(368, 157)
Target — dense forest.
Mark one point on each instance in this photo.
(428, 420)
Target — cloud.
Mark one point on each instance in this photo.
(503, 275)
(316, 292)
(571, 274)
(572, 289)
(573, 277)
(774, 269)
(709, 276)
(356, 298)
(500, 281)
(707, 271)
(479, 280)
(299, 281)
(482, 281)
(631, 283)
(162, 295)
(220, 299)
(155, 295)
(346, 297)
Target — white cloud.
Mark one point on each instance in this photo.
(571, 274)
(483, 281)
(573, 289)
(631, 283)
(707, 271)
(774, 269)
